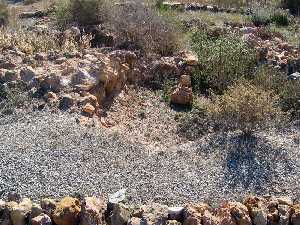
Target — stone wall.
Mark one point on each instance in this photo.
(115, 211)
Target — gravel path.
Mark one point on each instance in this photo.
(43, 154)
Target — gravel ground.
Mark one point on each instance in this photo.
(44, 154)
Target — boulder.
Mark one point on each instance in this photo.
(92, 211)
(51, 83)
(155, 214)
(51, 96)
(193, 214)
(190, 58)
(175, 213)
(48, 205)
(42, 219)
(66, 102)
(5, 209)
(135, 221)
(27, 74)
(258, 210)
(36, 210)
(20, 212)
(89, 109)
(120, 214)
(11, 75)
(284, 214)
(239, 212)
(67, 211)
(83, 79)
(182, 96)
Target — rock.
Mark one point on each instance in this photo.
(185, 81)
(51, 96)
(93, 210)
(13, 197)
(42, 219)
(117, 197)
(51, 83)
(60, 60)
(135, 221)
(155, 214)
(173, 222)
(36, 210)
(5, 211)
(66, 102)
(182, 96)
(20, 212)
(27, 74)
(193, 214)
(89, 109)
(83, 78)
(166, 67)
(175, 213)
(239, 212)
(11, 75)
(48, 205)
(295, 217)
(67, 211)
(120, 214)
(295, 76)
(258, 210)
(284, 214)
(40, 56)
(190, 58)
(285, 200)
(7, 64)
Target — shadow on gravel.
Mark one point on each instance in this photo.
(250, 163)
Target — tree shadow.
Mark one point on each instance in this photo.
(252, 163)
(249, 162)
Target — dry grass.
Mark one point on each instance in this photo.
(233, 3)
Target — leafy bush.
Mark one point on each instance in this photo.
(224, 59)
(245, 107)
(139, 26)
(81, 12)
(280, 18)
(263, 17)
(3, 13)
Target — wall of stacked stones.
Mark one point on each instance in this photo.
(95, 211)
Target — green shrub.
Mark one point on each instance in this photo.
(139, 26)
(225, 60)
(288, 90)
(292, 5)
(12, 96)
(245, 107)
(261, 17)
(280, 18)
(3, 13)
(81, 12)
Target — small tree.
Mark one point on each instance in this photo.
(245, 107)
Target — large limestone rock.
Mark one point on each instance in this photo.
(258, 210)
(120, 214)
(20, 212)
(239, 213)
(93, 210)
(295, 217)
(194, 214)
(183, 94)
(67, 211)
